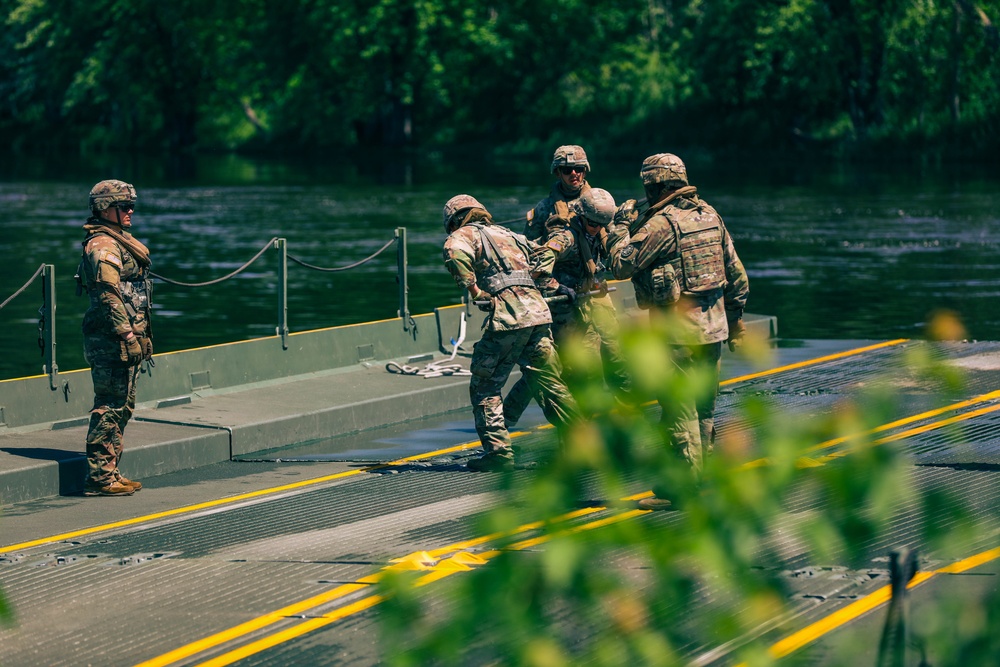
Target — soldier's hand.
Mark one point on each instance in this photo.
(147, 347)
(481, 299)
(131, 350)
(737, 332)
(626, 213)
(569, 292)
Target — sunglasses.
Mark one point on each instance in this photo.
(125, 206)
(566, 171)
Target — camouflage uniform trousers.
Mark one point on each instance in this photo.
(493, 359)
(114, 403)
(594, 324)
(690, 420)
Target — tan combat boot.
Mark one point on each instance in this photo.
(132, 484)
(495, 461)
(115, 488)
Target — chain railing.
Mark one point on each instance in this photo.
(47, 312)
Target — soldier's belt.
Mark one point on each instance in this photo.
(555, 299)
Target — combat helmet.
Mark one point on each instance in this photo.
(664, 168)
(456, 204)
(108, 193)
(570, 156)
(596, 205)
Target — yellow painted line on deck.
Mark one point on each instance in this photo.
(807, 462)
(982, 398)
(254, 624)
(293, 632)
(366, 603)
(813, 362)
(302, 606)
(811, 633)
(187, 509)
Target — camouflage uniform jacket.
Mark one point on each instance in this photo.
(565, 257)
(650, 257)
(534, 226)
(118, 287)
(514, 307)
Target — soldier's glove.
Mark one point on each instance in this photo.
(481, 299)
(147, 347)
(737, 332)
(626, 213)
(131, 351)
(569, 292)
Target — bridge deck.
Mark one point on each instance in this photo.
(214, 562)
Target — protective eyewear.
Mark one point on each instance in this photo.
(125, 206)
(566, 171)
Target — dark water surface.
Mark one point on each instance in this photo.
(833, 251)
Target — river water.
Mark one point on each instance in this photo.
(834, 251)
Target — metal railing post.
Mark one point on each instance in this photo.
(282, 329)
(404, 286)
(896, 631)
(49, 325)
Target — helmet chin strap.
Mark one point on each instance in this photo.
(117, 218)
(118, 214)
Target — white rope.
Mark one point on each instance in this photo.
(434, 369)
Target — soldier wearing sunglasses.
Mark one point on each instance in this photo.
(114, 271)
(570, 165)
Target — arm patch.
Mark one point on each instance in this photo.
(109, 267)
(108, 256)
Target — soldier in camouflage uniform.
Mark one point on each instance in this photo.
(116, 334)
(685, 270)
(575, 257)
(493, 263)
(570, 165)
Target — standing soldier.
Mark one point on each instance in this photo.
(686, 272)
(116, 333)
(493, 263)
(570, 165)
(576, 259)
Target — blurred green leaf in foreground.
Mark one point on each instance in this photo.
(787, 488)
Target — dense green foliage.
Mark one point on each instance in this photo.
(253, 74)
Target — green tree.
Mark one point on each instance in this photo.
(312, 74)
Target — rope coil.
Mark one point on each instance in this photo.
(434, 369)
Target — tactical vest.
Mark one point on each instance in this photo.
(500, 274)
(698, 268)
(700, 262)
(584, 271)
(136, 294)
(136, 289)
